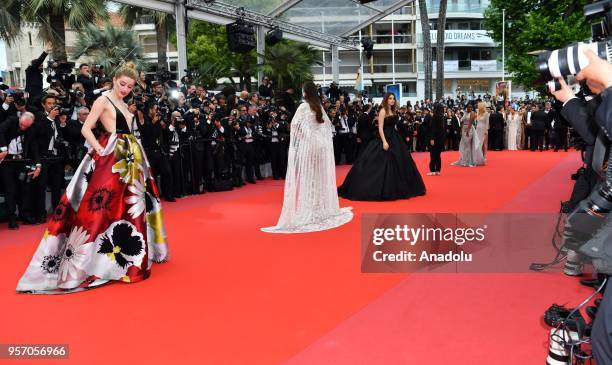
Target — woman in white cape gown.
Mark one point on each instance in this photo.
(311, 195)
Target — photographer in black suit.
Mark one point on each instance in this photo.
(599, 78)
(18, 143)
(51, 148)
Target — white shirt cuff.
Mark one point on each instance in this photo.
(567, 101)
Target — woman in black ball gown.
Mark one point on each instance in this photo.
(385, 170)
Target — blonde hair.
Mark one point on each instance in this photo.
(128, 70)
(482, 108)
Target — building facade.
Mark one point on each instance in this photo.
(29, 46)
(472, 60)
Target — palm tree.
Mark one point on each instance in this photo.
(10, 19)
(109, 47)
(54, 15)
(440, 50)
(210, 73)
(427, 62)
(289, 64)
(131, 15)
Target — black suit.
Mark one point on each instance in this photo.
(4, 114)
(437, 134)
(154, 144)
(88, 83)
(52, 174)
(34, 79)
(538, 120)
(15, 191)
(496, 125)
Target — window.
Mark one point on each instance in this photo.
(475, 25)
(149, 43)
(463, 26)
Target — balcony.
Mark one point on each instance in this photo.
(378, 68)
(388, 39)
(467, 66)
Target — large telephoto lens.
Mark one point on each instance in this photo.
(570, 60)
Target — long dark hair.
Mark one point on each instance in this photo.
(438, 115)
(385, 104)
(312, 98)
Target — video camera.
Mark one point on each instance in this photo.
(569, 61)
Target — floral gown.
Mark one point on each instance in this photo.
(108, 225)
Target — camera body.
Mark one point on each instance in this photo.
(566, 62)
(24, 176)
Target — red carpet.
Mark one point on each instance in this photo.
(234, 295)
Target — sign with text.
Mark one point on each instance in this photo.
(456, 242)
(463, 36)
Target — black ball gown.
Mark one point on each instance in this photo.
(380, 175)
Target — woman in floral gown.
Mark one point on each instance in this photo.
(108, 225)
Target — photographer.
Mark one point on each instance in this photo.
(580, 114)
(34, 79)
(200, 132)
(85, 78)
(8, 106)
(154, 144)
(18, 144)
(276, 135)
(265, 89)
(599, 80)
(51, 147)
(105, 85)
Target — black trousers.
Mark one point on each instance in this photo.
(52, 177)
(198, 166)
(176, 166)
(16, 192)
(435, 154)
(537, 140)
(548, 141)
(276, 159)
(342, 144)
(561, 138)
(496, 139)
(160, 167)
(248, 152)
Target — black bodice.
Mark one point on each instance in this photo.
(121, 125)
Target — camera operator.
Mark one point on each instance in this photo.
(105, 84)
(580, 114)
(72, 133)
(599, 80)
(18, 144)
(246, 144)
(154, 144)
(265, 89)
(276, 135)
(51, 147)
(34, 78)
(8, 106)
(143, 86)
(200, 132)
(85, 78)
(176, 134)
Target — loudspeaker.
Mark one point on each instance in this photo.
(240, 37)
(274, 36)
